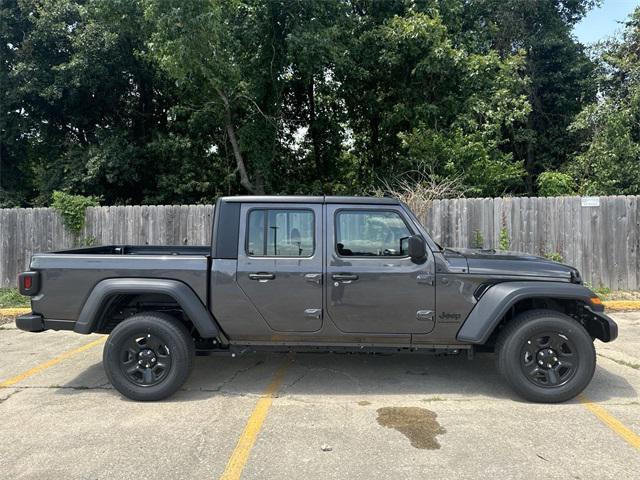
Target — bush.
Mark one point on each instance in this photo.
(555, 184)
(72, 209)
(478, 239)
(554, 257)
(504, 242)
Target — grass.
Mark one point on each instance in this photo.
(11, 298)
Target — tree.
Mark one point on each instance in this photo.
(558, 69)
(139, 101)
(416, 93)
(555, 184)
(15, 182)
(197, 43)
(609, 160)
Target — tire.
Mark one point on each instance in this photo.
(148, 356)
(545, 356)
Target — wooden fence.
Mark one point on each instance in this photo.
(599, 236)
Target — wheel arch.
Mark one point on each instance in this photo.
(109, 290)
(498, 301)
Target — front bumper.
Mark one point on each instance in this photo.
(602, 326)
(31, 322)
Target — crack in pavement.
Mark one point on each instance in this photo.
(235, 394)
(309, 370)
(624, 363)
(11, 394)
(230, 379)
(102, 386)
(233, 376)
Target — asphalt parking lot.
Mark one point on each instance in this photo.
(311, 416)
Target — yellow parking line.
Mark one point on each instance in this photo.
(251, 430)
(50, 363)
(610, 421)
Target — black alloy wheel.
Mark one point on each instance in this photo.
(149, 356)
(545, 356)
(145, 359)
(549, 359)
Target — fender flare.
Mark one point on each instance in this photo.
(185, 297)
(498, 299)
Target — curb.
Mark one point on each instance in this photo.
(621, 305)
(12, 312)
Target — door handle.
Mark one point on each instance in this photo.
(313, 277)
(424, 315)
(262, 276)
(344, 277)
(426, 278)
(313, 312)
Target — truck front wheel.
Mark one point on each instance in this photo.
(148, 356)
(546, 356)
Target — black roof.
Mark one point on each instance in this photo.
(311, 199)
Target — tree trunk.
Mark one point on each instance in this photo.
(530, 157)
(374, 124)
(237, 154)
(313, 131)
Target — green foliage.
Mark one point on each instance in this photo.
(139, 101)
(89, 241)
(555, 184)
(446, 104)
(72, 209)
(558, 70)
(11, 298)
(478, 239)
(609, 161)
(504, 242)
(601, 291)
(554, 256)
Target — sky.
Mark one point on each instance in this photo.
(602, 22)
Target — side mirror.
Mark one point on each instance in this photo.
(417, 249)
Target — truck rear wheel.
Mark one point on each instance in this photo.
(149, 356)
(546, 356)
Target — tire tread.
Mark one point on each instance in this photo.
(183, 357)
(502, 362)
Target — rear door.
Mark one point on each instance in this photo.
(372, 284)
(280, 263)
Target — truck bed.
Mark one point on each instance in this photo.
(68, 277)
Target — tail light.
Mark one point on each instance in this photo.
(29, 283)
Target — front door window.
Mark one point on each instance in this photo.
(362, 233)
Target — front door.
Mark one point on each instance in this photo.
(280, 264)
(372, 285)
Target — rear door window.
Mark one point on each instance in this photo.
(280, 233)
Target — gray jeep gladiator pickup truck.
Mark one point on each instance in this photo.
(319, 274)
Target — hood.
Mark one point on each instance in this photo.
(501, 262)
